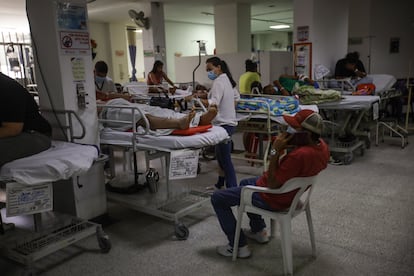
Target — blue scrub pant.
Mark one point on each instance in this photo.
(223, 200)
(223, 155)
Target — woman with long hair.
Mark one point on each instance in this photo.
(223, 95)
(157, 75)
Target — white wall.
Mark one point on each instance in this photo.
(330, 39)
(387, 19)
(328, 29)
(100, 33)
(265, 42)
(110, 39)
(272, 65)
(181, 38)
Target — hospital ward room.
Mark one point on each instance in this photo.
(196, 137)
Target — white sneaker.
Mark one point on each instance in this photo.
(227, 251)
(260, 237)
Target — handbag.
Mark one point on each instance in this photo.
(164, 102)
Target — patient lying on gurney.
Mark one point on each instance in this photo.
(162, 121)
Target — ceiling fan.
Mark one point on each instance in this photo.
(139, 19)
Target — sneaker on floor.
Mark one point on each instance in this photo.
(214, 188)
(260, 237)
(227, 251)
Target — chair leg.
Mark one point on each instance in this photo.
(240, 212)
(311, 232)
(286, 241)
(273, 227)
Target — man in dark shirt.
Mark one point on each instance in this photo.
(352, 67)
(23, 131)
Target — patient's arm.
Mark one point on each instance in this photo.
(10, 129)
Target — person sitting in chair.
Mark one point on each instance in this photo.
(298, 152)
(23, 131)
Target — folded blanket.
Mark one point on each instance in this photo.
(278, 107)
(311, 95)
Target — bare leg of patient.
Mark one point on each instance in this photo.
(208, 116)
(162, 123)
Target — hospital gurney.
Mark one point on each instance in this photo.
(342, 122)
(264, 123)
(28, 189)
(167, 203)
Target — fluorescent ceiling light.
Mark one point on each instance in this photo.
(279, 27)
(138, 31)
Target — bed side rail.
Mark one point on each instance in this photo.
(103, 108)
(66, 125)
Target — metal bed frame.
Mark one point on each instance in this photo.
(266, 128)
(164, 203)
(362, 137)
(27, 247)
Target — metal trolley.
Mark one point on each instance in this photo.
(27, 246)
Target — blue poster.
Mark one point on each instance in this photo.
(71, 17)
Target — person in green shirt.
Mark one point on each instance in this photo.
(249, 78)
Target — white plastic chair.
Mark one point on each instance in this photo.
(299, 204)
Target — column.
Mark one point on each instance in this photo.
(154, 37)
(63, 59)
(327, 22)
(232, 28)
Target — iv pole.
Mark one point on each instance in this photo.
(199, 62)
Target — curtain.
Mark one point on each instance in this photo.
(132, 52)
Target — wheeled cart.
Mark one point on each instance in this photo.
(26, 246)
(165, 199)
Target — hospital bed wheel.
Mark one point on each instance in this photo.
(181, 231)
(347, 158)
(103, 240)
(367, 143)
(104, 244)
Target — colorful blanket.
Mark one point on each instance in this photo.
(278, 107)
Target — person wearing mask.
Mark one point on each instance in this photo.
(23, 131)
(250, 78)
(223, 95)
(104, 86)
(298, 152)
(157, 76)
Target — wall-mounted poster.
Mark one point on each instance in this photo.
(303, 33)
(302, 54)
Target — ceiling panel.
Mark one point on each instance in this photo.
(264, 13)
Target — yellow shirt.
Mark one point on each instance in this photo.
(246, 80)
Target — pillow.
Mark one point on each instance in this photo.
(191, 130)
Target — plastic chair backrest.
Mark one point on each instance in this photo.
(305, 186)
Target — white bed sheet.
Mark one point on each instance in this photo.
(351, 103)
(382, 82)
(211, 137)
(62, 161)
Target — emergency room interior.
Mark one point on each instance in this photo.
(111, 201)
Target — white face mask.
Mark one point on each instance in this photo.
(291, 130)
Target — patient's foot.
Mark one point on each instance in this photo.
(208, 116)
(184, 122)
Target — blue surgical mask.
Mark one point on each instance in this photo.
(291, 130)
(211, 75)
(99, 79)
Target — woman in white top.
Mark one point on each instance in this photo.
(223, 94)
